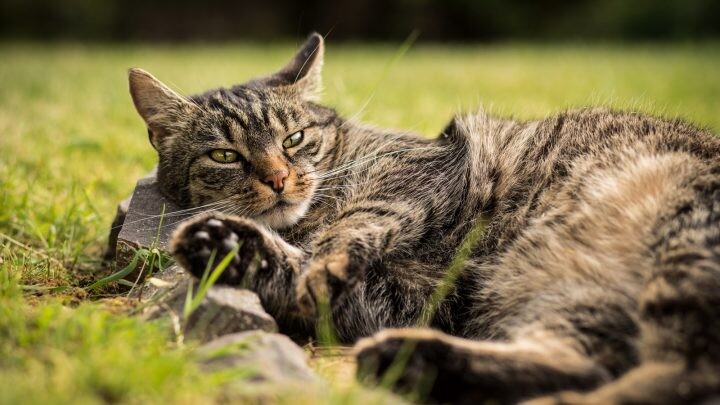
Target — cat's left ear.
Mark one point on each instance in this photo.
(163, 110)
(303, 73)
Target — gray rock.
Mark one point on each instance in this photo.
(160, 284)
(268, 357)
(117, 223)
(223, 310)
(149, 222)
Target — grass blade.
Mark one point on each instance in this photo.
(117, 275)
(207, 281)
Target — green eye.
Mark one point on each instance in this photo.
(293, 140)
(224, 156)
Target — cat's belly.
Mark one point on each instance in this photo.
(594, 237)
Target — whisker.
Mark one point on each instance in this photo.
(325, 203)
(178, 212)
(166, 224)
(174, 213)
(368, 159)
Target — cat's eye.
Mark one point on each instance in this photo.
(224, 156)
(293, 140)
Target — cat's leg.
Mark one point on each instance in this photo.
(441, 368)
(679, 313)
(376, 301)
(365, 233)
(265, 263)
(567, 337)
(657, 383)
(680, 340)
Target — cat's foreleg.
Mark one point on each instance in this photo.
(363, 234)
(265, 263)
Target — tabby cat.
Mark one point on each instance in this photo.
(596, 278)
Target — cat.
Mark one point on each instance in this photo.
(595, 279)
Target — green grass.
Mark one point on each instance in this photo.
(72, 146)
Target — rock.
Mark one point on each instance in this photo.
(160, 283)
(269, 357)
(146, 225)
(223, 311)
(117, 223)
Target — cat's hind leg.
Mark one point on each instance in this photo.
(446, 369)
(679, 314)
(568, 336)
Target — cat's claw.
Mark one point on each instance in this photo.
(195, 241)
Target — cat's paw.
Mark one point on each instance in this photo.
(415, 361)
(326, 279)
(195, 241)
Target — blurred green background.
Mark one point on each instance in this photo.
(72, 146)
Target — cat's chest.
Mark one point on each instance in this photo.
(302, 233)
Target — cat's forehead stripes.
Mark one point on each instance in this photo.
(256, 112)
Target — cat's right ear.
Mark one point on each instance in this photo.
(303, 73)
(163, 110)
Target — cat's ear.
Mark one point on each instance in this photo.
(303, 73)
(163, 110)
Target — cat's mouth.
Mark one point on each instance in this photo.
(280, 204)
(283, 213)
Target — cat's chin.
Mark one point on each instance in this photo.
(283, 215)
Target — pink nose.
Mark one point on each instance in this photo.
(277, 180)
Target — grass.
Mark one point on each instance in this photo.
(71, 146)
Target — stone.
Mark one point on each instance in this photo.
(117, 224)
(161, 283)
(224, 310)
(141, 224)
(149, 221)
(269, 357)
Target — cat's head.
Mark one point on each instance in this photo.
(252, 149)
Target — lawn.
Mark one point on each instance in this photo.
(72, 146)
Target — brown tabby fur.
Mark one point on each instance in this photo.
(597, 279)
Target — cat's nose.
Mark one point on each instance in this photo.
(277, 180)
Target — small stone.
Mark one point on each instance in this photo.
(162, 282)
(146, 221)
(223, 310)
(117, 224)
(271, 357)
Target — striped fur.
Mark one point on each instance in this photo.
(597, 276)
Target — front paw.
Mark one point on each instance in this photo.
(325, 281)
(195, 241)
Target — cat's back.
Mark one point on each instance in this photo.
(593, 170)
(601, 130)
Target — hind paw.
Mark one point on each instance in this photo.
(419, 362)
